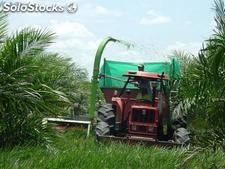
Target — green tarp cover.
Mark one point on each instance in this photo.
(117, 69)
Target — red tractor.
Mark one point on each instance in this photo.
(144, 116)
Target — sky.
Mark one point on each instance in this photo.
(155, 28)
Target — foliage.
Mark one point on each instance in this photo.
(183, 100)
(33, 84)
(202, 88)
(65, 76)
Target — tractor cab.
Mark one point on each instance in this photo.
(148, 84)
(138, 115)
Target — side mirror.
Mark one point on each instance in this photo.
(115, 94)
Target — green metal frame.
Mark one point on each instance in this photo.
(94, 81)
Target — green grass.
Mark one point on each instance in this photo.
(73, 150)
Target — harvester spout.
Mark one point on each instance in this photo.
(94, 80)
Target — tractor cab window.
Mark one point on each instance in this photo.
(145, 90)
(155, 84)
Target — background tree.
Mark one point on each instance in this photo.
(33, 84)
(202, 86)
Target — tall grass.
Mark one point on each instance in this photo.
(74, 150)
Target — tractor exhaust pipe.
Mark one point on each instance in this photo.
(141, 67)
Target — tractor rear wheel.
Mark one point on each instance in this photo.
(180, 122)
(181, 135)
(105, 120)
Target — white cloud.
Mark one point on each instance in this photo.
(191, 47)
(154, 17)
(70, 29)
(75, 40)
(75, 44)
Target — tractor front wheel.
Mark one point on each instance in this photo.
(105, 120)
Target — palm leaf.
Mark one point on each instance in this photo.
(3, 27)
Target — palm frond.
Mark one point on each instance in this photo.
(220, 15)
(26, 43)
(3, 27)
(33, 84)
(183, 108)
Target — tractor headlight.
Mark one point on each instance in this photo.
(151, 129)
(144, 112)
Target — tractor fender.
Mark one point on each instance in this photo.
(118, 107)
(118, 103)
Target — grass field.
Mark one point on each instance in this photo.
(73, 150)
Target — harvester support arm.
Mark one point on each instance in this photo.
(94, 81)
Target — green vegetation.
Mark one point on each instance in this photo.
(33, 84)
(73, 150)
(202, 87)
